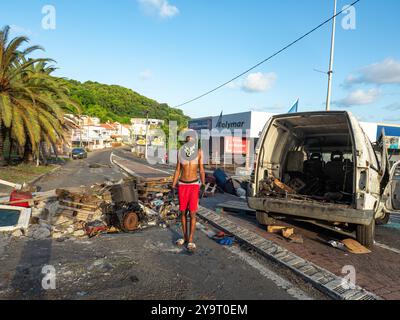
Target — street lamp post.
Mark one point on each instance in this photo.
(80, 131)
(147, 133)
(328, 97)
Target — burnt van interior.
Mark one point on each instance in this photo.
(312, 155)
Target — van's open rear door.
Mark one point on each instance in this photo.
(390, 181)
(394, 188)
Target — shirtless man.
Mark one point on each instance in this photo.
(190, 164)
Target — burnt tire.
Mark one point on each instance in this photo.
(264, 219)
(366, 234)
(130, 222)
(384, 220)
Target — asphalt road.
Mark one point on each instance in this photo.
(141, 265)
(97, 168)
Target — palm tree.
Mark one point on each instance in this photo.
(32, 102)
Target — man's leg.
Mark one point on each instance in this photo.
(183, 194)
(193, 207)
(192, 226)
(184, 225)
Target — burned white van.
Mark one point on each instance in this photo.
(321, 167)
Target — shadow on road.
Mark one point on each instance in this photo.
(27, 280)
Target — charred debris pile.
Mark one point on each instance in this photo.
(125, 206)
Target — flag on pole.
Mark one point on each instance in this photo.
(295, 107)
(219, 122)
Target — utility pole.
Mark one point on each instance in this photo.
(80, 131)
(147, 134)
(328, 98)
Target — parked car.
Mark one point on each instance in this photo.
(321, 167)
(78, 153)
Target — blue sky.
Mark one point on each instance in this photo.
(174, 50)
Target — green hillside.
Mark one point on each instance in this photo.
(116, 103)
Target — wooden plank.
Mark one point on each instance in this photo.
(84, 217)
(355, 247)
(65, 212)
(275, 229)
(76, 210)
(91, 206)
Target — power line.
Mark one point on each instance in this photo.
(270, 57)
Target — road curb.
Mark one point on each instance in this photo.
(44, 175)
(322, 279)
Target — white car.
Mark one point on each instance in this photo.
(322, 168)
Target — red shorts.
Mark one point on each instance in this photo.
(188, 197)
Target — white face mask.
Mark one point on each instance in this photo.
(189, 150)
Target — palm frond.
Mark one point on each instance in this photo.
(17, 129)
(5, 109)
(31, 49)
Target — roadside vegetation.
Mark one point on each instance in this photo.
(24, 172)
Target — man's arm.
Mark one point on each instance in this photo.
(177, 174)
(201, 168)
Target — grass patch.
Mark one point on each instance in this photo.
(23, 172)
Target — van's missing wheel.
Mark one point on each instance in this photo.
(383, 220)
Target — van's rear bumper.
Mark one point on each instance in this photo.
(313, 210)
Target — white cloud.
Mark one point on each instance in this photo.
(359, 98)
(259, 82)
(146, 75)
(161, 8)
(384, 72)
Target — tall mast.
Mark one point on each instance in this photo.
(330, 72)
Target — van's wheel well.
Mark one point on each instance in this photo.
(264, 219)
(366, 234)
(383, 220)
